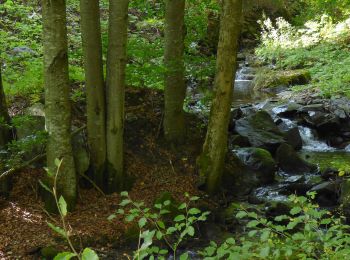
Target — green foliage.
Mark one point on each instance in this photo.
(307, 232)
(65, 231)
(320, 46)
(155, 225)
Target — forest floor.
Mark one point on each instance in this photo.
(154, 167)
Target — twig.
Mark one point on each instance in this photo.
(93, 183)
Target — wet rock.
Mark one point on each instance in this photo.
(294, 139)
(287, 110)
(290, 162)
(247, 169)
(260, 161)
(329, 173)
(22, 50)
(274, 209)
(327, 193)
(238, 140)
(260, 130)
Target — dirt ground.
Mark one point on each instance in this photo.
(155, 168)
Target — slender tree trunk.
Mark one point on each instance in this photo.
(5, 134)
(57, 102)
(175, 87)
(212, 159)
(116, 63)
(94, 83)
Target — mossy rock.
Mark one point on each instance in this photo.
(267, 79)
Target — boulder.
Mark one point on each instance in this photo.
(290, 162)
(248, 168)
(260, 130)
(327, 193)
(237, 140)
(271, 79)
(294, 139)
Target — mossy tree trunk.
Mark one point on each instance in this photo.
(95, 90)
(116, 63)
(175, 87)
(211, 161)
(5, 134)
(57, 101)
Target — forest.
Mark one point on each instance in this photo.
(175, 129)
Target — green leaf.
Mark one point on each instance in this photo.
(166, 203)
(164, 211)
(125, 202)
(129, 218)
(295, 210)
(182, 206)
(63, 206)
(58, 230)
(64, 256)
(57, 162)
(194, 198)
(179, 218)
(265, 235)
(89, 254)
(159, 235)
(124, 194)
(241, 214)
(190, 231)
(264, 252)
(113, 216)
(184, 256)
(163, 251)
(194, 211)
(231, 241)
(142, 222)
(161, 224)
(252, 223)
(252, 233)
(45, 187)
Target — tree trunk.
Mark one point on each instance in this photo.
(116, 63)
(57, 101)
(5, 134)
(175, 87)
(212, 159)
(94, 83)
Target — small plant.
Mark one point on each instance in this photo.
(156, 225)
(65, 231)
(306, 233)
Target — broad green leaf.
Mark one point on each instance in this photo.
(45, 187)
(194, 211)
(182, 206)
(89, 254)
(57, 162)
(63, 206)
(58, 230)
(124, 194)
(190, 231)
(179, 218)
(142, 222)
(241, 214)
(161, 224)
(184, 256)
(264, 252)
(113, 216)
(252, 223)
(64, 256)
(295, 210)
(125, 202)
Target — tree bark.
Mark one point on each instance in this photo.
(175, 87)
(116, 63)
(57, 101)
(212, 159)
(95, 90)
(5, 134)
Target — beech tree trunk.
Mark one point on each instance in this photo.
(116, 63)
(5, 134)
(57, 102)
(175, 87)
(95, 90)
(211, 161)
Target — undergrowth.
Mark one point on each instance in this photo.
(320, 46)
